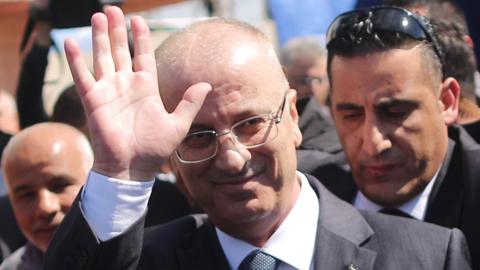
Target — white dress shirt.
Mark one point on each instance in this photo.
(293, 243)
(112, 205)
(416, 207)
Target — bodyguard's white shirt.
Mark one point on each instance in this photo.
(112, 205)
(293, 242)
(416, 207)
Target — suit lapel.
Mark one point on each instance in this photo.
(445, 202)
(202, 250)
(341, 233)
(335, 252)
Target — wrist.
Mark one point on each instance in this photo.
(130, 174)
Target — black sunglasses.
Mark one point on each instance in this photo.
(387, 19)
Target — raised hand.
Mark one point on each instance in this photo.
(131, 132)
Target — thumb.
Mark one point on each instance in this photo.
(191, 102)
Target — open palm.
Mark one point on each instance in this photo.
(131, 132)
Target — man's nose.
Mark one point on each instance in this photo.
(48, 203)
(232, 156)
(375, 137)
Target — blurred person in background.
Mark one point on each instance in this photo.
(305, 65)
(8, 125)
(460, 64)
(44, 166)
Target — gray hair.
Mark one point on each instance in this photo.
(307, 46)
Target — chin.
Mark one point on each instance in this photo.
(247, 212)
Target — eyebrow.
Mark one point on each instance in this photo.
(21, 188)
(385, 104)
(381, 105)
(344, 106)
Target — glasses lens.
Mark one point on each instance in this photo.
(310, 80)
(198, 146)
(255, 131)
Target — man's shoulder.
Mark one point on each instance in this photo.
(398, 239)
(388, 224)
(176, 229)
(186, 243)
(164, 238)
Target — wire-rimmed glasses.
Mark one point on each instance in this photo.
(251, 132)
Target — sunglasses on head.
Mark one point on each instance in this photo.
(383, 19)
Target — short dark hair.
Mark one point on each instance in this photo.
(363, 39)
(459, 57)
(68, 109)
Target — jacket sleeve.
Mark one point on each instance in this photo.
(76, 247)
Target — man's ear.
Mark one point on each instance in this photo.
(449, 99)
(292, 101)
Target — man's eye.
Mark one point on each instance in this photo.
(251, 126)
(395, 112)
(352, 115)
(25, 195)
(254, 122)
(199, 139)
(58, 188)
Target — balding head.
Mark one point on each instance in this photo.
(211, 50)
(44, 167)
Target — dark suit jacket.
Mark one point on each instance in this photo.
(10, 233)
(318, 130)
(455, 198)
(320, 144)
(344, 237)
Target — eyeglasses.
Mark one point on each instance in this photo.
(252, 132)
(383, 18)
(307, 80)
(310, 79)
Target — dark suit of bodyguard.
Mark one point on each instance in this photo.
(232, 144)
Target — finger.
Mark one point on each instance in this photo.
(191, 102)
(102, 57)
(144, 59)
(118, 38)
(82, 77)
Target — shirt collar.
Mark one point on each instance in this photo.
(416, 207)
(302, 220)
